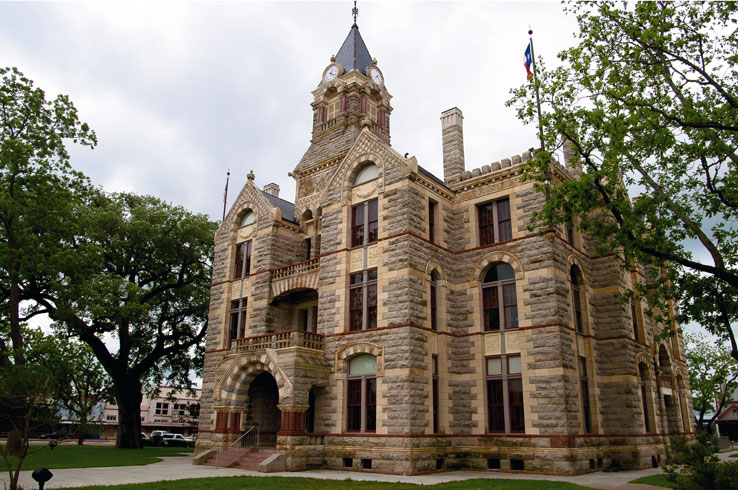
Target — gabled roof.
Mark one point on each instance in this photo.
(353, 53)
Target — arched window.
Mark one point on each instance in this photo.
(499, 299)
(361, 394)
(368, 173)
(576, 298)
(247, 219)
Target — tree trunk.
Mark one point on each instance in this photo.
(128, 395)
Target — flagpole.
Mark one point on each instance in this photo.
(225, 193)
(535, 83)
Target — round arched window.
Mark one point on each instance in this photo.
(367, 173)
(248, 218)
(499, 299)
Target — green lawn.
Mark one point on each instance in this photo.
(93, 456)
(656, 480)
(249, 482)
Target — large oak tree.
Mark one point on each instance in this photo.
(138, 294)
(648, 99)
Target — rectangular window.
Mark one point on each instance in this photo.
(364, 105)
(495, 223)
(237, 329)
(221, 421)
(511, 305)
(644, 400)
(308, 248)
(505, 409)
(515, 395)
(584, 386)
(491, 306)
(432, 221)
(577, 296)
(433, 307)
(363, 300)
(434, 397)
(242, 266)
(361, 397)
(366, 212)
(161, 408)
(634, 319)
(495, 405)
(504, 223)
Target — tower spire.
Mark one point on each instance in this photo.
(355, 12)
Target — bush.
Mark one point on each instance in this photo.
(695, 466)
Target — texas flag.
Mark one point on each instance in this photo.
(528, 61)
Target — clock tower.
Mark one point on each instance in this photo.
(350, 96)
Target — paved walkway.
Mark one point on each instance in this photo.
(177, 468)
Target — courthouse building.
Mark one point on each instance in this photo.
(396, 321)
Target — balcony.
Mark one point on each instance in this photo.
(281, 340)
(303, 275)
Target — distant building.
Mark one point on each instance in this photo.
(727, 421)
(173, 411)
(396, 321)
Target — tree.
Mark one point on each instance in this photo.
(713, 376)
(38, 190)
(141, 275)
(27, 394)
(80, 381)
(648, 102)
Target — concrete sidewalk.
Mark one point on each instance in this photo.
(178, 468)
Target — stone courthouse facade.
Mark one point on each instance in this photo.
(396, 321)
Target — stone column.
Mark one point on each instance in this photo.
(291, 438)
(452, 132)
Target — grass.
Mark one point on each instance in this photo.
(94, 456)
(656, 480)
(253, 482)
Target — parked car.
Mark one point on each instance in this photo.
(54, 435)
(176, 440)
(192, 438)
(146, 440)
(158, 433)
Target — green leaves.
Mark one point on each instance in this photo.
(648, 100)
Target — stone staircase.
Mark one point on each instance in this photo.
(249, 460)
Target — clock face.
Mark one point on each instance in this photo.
(331, 73)
(376, 76)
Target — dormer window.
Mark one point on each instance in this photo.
(248, 219)
(368, 173)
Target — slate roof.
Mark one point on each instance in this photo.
(353, 53)
(432, 177)
(288, 209)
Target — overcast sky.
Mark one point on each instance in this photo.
(179, 93)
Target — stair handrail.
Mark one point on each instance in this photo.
(239, 447)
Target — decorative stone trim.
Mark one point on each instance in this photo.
(233, 386)
(574, 259)
(355, 349)
(434, 265)
(494, 257)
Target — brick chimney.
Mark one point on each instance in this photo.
(272, 189)
(452, 132)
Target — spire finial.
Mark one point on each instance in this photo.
(355, 12)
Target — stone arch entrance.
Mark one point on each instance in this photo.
(261, 408)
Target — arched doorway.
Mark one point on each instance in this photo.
(261, 408)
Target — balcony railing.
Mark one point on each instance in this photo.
(296, 269)
(303, 275)
(281, 340)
